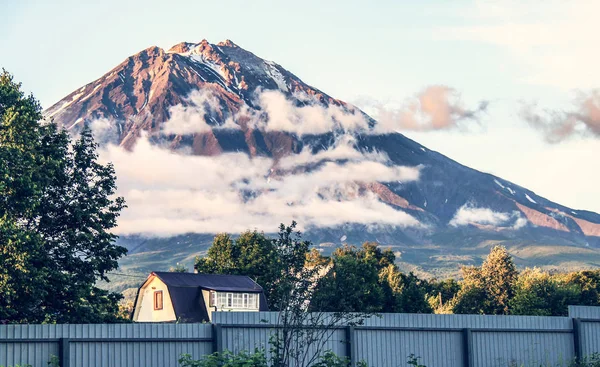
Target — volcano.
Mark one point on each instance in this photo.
(214, 100)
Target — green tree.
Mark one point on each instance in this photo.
(367, 280)
(56, 213)
(352, 283)
(540, 294)
(252, 254)
(487, 289)
(440, 294)
(589, 283)
(408, 291)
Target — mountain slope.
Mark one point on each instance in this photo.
(459, 207)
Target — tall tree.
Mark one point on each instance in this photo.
(488, 289)
(56, 213)
(367, 280)
(352, 282)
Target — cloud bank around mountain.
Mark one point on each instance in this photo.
(171, 193)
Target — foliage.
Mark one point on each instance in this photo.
(538, 293)
(488, 289)
(257, 359)
(592, 360)
(352, 282)
(440, 294)
(252, 254)
(226, 359)
(126, 309)
(178, 268)
(414, 361)
(56, 213)
(367, 279)
(54, 361)
(330, 359)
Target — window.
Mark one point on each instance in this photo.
(235, 300)
(158, 300)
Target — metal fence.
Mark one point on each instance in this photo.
(385, 340)
(111, 345)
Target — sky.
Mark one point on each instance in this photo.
(534, 64)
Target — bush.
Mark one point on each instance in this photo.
(593, 360)
(257, 359)
(226, 359)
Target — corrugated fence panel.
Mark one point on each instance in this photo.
(590, 338)
(501, 349)
(245, 331)
(132, 345)
(392, 348)
(35, 353)
(584, 312)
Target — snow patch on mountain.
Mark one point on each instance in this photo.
(530, 199)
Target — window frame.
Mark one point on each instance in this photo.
(162, 300)
(235, 300)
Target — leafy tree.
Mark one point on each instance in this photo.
(56, 213)
(352, 283)
(440, 294)
(488, 289)
(540, 294)
(367, 280)
(408, 291)
(499, 273)
(589, 283)
(252, 254)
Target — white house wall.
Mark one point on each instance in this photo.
(206, 297)
(146, 312)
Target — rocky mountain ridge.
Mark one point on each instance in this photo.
(144, 92)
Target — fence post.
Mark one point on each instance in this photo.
(577, 339)
(217, 337)
(467, 344)
(64, 352)
(350, 350)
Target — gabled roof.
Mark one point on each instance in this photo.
(215, 282)
(185, 291)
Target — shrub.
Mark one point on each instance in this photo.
(226, 359)
(256, 359)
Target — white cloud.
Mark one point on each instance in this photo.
(582, 120)
(469, 214)
(436, 107)
(190, 117)
(279, 113)
(169, 193)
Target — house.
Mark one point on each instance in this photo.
(189, 297)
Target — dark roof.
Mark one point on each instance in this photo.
(215, 282)
(188, 304)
